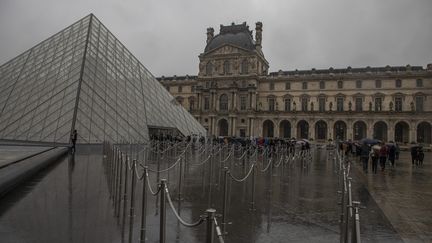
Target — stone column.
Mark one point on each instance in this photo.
(413, 134)
(235, 101)
(350, 130)
(233, 128)
(198, 105)
(391, 132)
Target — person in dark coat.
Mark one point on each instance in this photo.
(364, 156)
(392, 155)
(383, 156)
(74, 137)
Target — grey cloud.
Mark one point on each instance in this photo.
(167, 36)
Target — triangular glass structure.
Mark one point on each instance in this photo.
(83, 78)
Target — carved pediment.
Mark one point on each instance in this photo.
(227, 49)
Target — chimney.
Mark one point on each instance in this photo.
(210, 34)
(258, 35)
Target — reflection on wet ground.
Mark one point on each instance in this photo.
(10, 153)
(404, 194)
(69, 202)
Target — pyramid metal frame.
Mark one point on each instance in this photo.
(84, 78)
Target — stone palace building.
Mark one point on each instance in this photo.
(234, 94)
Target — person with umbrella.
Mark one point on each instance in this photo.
(374, 155)
(391, 154)
(364, 156)
(383, 155)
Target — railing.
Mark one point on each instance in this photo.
(349, 222)
(128, 164)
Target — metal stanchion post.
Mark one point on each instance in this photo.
(225, 200)
(144, 207)
(162, 218)
(210, 225)
(119, 189)
(253, 189)
(349, 210)
(356, 224)
(180, 178)
(132, 200)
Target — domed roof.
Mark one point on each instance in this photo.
(237, 35)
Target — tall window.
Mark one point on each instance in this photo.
(304, 104)
(242, 132)
(180, 88)
(340, 84)
(223, 102)
(226, 67)
(321, 104)
(287, 104)
(244, 67)
(206, 103)
(419, 103)
(340, 103)
(358, 104)
(243, 103)
(304, 85)
(398, 104)
(167, 88)
(271, 86)
(378, 83)
(191, 104)
(322, 85)
(419, 83)
(287, 85)
(398, 83)
(271, 104)
(358, 84)
(378, 104)
(209, 68)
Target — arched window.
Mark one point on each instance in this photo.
(244, 67)
(209, 68)
(223, 102)
(226, 67)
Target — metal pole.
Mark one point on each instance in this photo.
(349, 213)
(210, 225)
(119, 190)
(356, 224)
(162, 218)
(180, 178)
(132, 201)
(144, 207)
(253, 189)
(225, 198)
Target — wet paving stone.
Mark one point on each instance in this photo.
(298, 202)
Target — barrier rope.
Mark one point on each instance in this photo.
(244, 178)
(198, 222)
(268, 166)
(149, 186)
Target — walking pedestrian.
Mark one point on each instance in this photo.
(383, 156)
(364, 156)
(392, 155)
(374, 155)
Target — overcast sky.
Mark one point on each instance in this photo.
(168, 35)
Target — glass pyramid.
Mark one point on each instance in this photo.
(83, 78)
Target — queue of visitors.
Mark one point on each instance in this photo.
(373, 152)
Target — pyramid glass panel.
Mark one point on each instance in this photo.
(83, 78)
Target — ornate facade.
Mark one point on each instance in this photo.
(235, 95)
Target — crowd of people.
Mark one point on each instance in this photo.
(374, 152)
